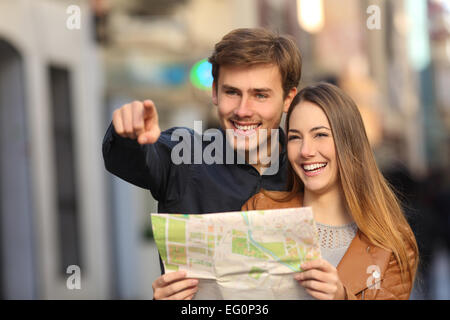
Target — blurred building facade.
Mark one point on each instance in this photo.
(53, 202)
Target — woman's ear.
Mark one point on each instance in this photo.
(214, 94)
(288, 99)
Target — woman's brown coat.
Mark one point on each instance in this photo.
(366, 271)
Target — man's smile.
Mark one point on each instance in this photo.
(245, 128)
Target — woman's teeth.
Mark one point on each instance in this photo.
(312, 167)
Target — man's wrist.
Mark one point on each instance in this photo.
(121, 140)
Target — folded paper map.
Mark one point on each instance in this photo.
(249, 255)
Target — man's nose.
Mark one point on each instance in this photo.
(243, 110)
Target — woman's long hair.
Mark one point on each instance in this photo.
(371, 201)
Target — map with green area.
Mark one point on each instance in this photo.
(177, 254)
(177, 231)
(239, 250)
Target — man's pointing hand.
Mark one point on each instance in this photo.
(137, 120)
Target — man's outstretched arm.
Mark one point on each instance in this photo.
(130, 150)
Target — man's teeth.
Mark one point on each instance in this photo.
(314, 166)
(251, 127)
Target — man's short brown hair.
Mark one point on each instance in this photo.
(246, 47)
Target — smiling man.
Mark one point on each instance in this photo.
(250, 102)
(256, 74)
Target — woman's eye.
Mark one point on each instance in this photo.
(321, 134)
(293, 138)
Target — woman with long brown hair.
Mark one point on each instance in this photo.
(368, 248)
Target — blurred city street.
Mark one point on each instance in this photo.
(66, 65)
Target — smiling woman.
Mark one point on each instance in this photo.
(333, 170)
(311, 148)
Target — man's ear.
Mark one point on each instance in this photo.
(214, 94)
(288, 99)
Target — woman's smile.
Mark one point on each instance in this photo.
(313, 169)
(311, 149)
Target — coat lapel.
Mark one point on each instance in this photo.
(353, 267)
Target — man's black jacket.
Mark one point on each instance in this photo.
(188, 188)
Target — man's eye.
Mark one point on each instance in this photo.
(261, 96)
(231, 92)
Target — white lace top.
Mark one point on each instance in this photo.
(335, 240)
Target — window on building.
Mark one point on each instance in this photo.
(65, 169)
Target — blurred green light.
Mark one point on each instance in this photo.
(201, 76)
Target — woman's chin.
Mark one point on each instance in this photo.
(316, 188)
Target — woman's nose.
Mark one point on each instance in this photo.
(307, 149)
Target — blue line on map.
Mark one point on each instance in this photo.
(244, 214)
